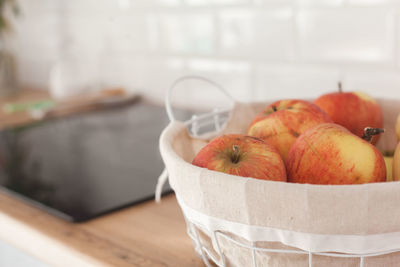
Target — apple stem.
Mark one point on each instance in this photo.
(274, 108)
(340, 87)
(236, 155)
(369, 132)
(388, 153)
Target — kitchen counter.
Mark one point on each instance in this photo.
(148, 234)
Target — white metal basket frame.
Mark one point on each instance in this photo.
(217, 118)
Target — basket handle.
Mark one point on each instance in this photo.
(168, 107)
(162, 179)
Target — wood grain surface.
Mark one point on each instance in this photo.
(148, 234)
(20, 118)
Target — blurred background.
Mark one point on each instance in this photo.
(59, 57)
(256, 49)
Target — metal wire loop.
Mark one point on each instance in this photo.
(168, 107)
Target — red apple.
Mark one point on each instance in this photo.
(352, 110)
(283, 121)
(242, 155)
(330, 154)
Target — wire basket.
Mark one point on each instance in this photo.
(222, 243)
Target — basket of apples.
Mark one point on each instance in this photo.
(290, 182)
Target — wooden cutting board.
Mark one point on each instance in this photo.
(12, 117)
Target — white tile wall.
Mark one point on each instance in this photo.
(321, 3)
(216, 2)
(372, 2)
(274, 2)
(188, 33)
(294, 80)
(346, 34)
(222, 73)
(257, 49)
(258, 33)
(385, 83)
(152, 76)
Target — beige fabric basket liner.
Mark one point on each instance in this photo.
(368, 213)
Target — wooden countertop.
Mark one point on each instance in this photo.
(18, 118)
(148, 234)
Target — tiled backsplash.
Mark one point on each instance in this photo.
(257, 49)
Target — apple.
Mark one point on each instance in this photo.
(397, 127)
(389, 168)
(330, 154)
(242, 155)
(283, 121)
(352, 110)
(396, 163)
(396, 157)
(388, 157)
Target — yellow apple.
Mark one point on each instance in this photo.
(283, 121)
(389, 168)
(396, 163)
(388, 157)
(398, 127)
(330, 154)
